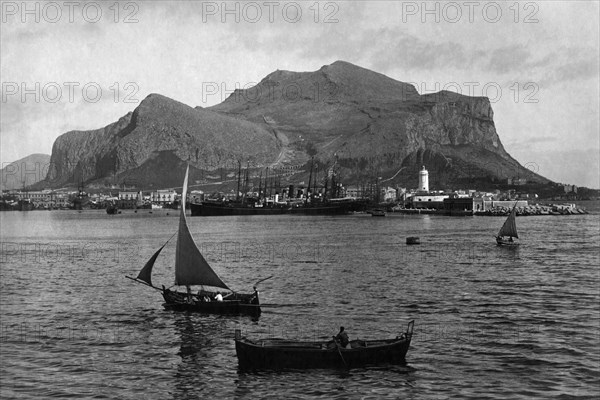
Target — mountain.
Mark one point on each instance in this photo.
(25, 172)
(150, 146)
(361, 123)
(376, 125)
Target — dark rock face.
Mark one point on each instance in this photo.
(159, 125)
(371, 124)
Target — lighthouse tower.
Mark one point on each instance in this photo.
(423, 180)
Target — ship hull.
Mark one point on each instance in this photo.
(225, 209)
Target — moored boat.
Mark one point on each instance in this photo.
(277, 354)
(225, 208)
(378, 212)
(413, 240)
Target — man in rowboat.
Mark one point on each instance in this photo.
(342, 337)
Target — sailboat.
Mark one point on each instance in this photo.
(508, 229)
(191, 268)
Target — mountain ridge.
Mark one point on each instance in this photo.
(25, 171)
(364, 122)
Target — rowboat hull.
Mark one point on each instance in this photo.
(278, 354)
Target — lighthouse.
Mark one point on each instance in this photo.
(423, 180)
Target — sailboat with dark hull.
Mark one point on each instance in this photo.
(508, 232)
(192, 269)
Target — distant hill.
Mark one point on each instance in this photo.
(24, 172)
(358, 122)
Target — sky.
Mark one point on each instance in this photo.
(82, 65)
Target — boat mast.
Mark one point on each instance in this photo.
(246, 183)
(316, 179)
(237, 195)
(267, 194)
(260, 186)
(326, 184)
(312, 161)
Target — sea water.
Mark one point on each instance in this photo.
(490, 322)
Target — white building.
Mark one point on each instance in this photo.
(163, 196)
(131, 196)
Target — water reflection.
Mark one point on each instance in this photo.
(201, 337)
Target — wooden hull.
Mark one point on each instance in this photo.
(277, 354)
(505, 242)
(225, 209)
(211, 210)
(238, 304)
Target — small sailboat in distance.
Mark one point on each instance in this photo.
(191, 268)
(509, 229)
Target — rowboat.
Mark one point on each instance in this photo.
(277, 354)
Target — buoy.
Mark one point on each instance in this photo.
(413, 240)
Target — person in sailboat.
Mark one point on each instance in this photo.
(254, 298)
(190, 296)
(219, 296)
(202, 298)
(510, 239)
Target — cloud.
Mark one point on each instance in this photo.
(578, 167)
(534, 140)
(579, 69)
(508, 58)
(175, 47)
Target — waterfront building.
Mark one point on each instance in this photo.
(130, 199)
(457, 204)
(167, 196)
(427, 201)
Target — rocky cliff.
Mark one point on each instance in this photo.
(160, 135)
(375, 126)
(363, 122)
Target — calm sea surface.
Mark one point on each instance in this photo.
(490, 322)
